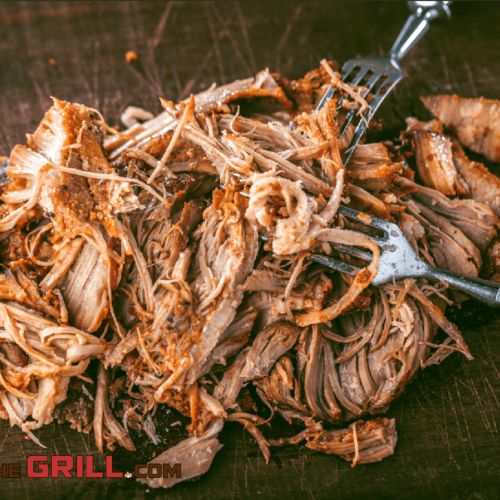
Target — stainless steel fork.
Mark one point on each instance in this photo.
(381, 74)
(398, 260)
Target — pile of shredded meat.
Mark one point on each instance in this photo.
(169, 264)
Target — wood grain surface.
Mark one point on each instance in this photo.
(447, 419)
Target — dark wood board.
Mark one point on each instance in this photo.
(447, 419)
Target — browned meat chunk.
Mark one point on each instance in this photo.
(483, 185)
(475, 121)
(435, 163)
(371, 167)
(361, 443)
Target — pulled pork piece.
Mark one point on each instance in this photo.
(18, 287)
(263, 85)
(435, 163)
(267, 348)
(475, 121)
(78, 409)
(84, 288)
(287, 213)
(476, 220)
(366, 202)
(41, 358)
(449, 245)
(361, 443)
(194, 454)
(189, 330)
(235, 337)
(228, 389)
(359, 283)
(413, 124)
(412, 229)
(379, 351)
(64, 146)
(281, 390)
(483, 185)
(106, 427)
(82, 195)
(493, 263)
(371, 167)
(85, 276)
(140, 250)
(226, 254)
(322, 390)
(291, 220)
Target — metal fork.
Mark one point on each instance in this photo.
(381, 74)
(398, 260)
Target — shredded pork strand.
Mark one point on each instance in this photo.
(175, 257)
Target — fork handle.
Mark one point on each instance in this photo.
(483, 290)
(416, 26)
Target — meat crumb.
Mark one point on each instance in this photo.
(130, 56)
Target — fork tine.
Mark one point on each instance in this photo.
(354, 251)
(366, 219)
(348, 67)
(361, 73)
(373, 80)
(361, 126)
(358, 132)
(338, 265)
(391, 80)
(370, 84)
(347, 121)
(329, 93)
(326, 96)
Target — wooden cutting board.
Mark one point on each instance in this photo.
(447, 419)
